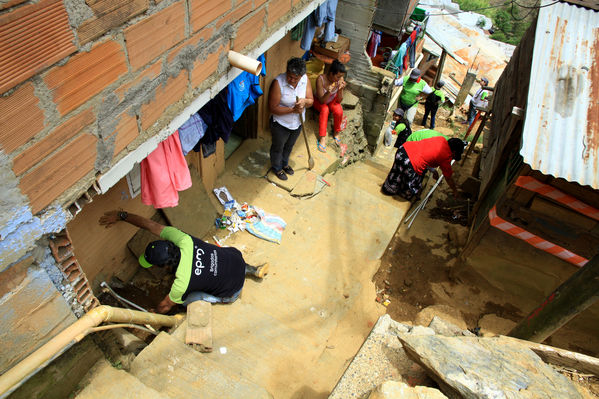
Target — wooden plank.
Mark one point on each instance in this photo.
(560, 357)
(576, 294)
(199, 326)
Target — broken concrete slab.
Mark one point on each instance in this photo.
(492, 325)
(380, 358)
(466, 367)
(306, 185)
(195, 213)
(256, 164)
(350, 101)
(401, 390)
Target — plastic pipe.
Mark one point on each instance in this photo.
(244, 62)
(14, 377)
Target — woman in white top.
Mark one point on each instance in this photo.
(329, 93)
(290, 94)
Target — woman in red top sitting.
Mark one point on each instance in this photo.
(414, 158)
(329, 93)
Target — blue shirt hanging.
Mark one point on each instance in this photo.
(243, 90)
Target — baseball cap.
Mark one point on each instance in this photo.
(157, 253)
(415, 74)
(485, 80)
(399, 111)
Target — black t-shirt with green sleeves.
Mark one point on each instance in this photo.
(204, 267)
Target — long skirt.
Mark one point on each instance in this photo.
(402, 179)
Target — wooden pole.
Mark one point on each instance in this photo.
(476, 136)
(576, 294)
(440, 68)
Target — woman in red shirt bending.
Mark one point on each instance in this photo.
(414, 158)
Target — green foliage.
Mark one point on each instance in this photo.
(507, 19)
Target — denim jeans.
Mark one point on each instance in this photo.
(433, 112)
(283, 140)
(202, 296)
(471, 113)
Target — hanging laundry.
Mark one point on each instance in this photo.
(412, 47)
(164, 172)
(373, 43)
(399, 60)
(324, 14)
(244, 89)
(219, 120)
(191, 132)
(298, 31)
(269, 227)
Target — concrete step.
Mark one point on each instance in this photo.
(177, 371)
(248, 342)
(109, 383)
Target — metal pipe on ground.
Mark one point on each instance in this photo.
(27, 367)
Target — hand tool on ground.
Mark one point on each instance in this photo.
(310, 159)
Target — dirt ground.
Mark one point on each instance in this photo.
(421, 276)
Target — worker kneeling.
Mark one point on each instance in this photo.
(203, 272)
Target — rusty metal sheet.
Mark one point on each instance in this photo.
(561, 128)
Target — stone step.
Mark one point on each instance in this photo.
(177, 371)
(109, 383)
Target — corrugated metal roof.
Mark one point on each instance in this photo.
(561, 129)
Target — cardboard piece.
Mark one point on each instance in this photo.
(195, 213)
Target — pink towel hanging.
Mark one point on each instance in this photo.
(163, 173)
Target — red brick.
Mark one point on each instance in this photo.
(202, 12)
(258, 3)
(276, 10)
(13, 276)
(203, 69)
(164, 97)
(51, 142)
(21, 118)
(153, 36)
(149, 73)
(85, 75)
(126, 132)
(32, 38)
(249, 30)
(57, 174)
(11, 3)
(238, 12)
(109, 14)
(295, 2)
(194, 40)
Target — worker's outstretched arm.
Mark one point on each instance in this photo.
(452, 186)
(111, 217)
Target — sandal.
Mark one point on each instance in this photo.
(321, 147)
(337, 140)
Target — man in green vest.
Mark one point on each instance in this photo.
(413, 85)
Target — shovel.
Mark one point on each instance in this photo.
(310, 159)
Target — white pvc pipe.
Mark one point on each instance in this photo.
(245, 63)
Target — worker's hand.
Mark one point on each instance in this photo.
(109, 218)
(165, 305)
(342, 84)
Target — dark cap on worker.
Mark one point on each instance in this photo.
(415, 74)
(485, 81)
(457, 147)
(398, 111)
(157, 253)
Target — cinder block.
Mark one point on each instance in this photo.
(153, 36)
(21, 118)
(85, 75)
(249, 30)
(52, 141)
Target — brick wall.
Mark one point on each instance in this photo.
(82, 85)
